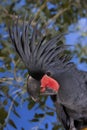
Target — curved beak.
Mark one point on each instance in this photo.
(35, 99)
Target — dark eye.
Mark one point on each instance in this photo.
(48, 73)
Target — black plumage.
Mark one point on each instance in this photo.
(42, 57)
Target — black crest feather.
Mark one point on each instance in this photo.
(38, 54)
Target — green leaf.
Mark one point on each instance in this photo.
(50, 113)
(34, 120)
(15, 102)
(11, 122)
(57, 127)
(46, 125)
(3, 115)
(39, 115)
(16, 114)
(5, 102)
(5, 89)
(2, 70)
(31, 105)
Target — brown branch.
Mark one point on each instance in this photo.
(5, 79)
(9, 111)
(40, 9)
(10, 108)
(56, 16)
(13, 16)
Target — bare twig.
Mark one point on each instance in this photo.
(40, 9)
(56, 16)
(10, 15)
(5, 79)
(16, 91)
(9, 111)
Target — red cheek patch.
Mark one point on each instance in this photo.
(42, 89)
(49, 82)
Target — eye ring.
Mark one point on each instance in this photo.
(48, 73)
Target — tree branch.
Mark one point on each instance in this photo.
(56, 16)
(40, 9)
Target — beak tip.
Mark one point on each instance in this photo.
(35, 99)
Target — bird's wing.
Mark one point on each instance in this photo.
(62, 115)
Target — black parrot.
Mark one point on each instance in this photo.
(52, 75)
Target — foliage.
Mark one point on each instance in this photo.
(55, 17)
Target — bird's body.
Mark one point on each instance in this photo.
(72, 96)
(44, 59)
